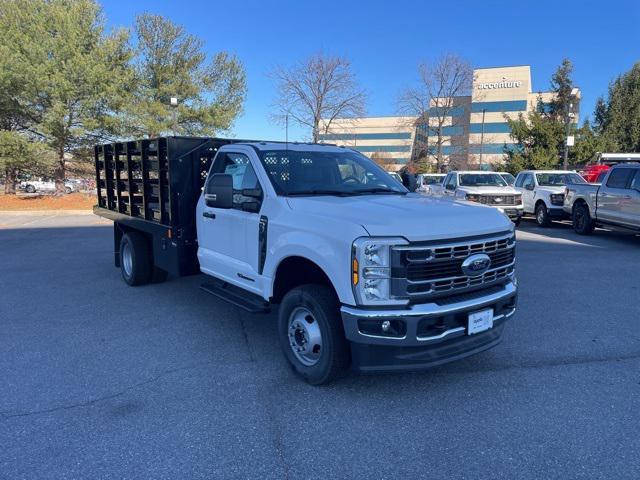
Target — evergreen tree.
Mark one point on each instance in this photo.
(537, 136)
(562, 85)
(619, 119)
(73, 73)
(171, 63)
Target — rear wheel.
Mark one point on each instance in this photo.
(30, 189)
(311, 333)
(67, 190)
(542, 215)
(582, 221)
(136, 261)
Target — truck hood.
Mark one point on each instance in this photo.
(489, 190)
(412, 216)
(550, 190)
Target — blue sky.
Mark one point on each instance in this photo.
(386, 40)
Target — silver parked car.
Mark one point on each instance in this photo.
(615, 202)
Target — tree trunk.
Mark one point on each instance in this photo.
(60, 173)
(10, 180)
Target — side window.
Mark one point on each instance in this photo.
(619, 177)
(528, 180)
(451, 182)
(244, 176)
(635, 183)
(520, 179)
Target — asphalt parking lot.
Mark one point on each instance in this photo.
(100, 380)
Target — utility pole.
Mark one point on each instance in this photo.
(482, 138)
(174, 114)
(568, 139)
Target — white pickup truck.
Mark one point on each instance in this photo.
(323, 234)
(488, 188)
(543, 193)
(45, 186)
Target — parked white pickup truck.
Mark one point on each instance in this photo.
(543, 193)
(322, 233)
(614, 203)
(488, 188)
(45, 186)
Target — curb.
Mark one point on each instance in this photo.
(11, 213)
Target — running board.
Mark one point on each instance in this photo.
(236, 296)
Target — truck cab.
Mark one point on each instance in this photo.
(327, 238)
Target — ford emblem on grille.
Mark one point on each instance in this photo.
(498, 199)
(476, 265)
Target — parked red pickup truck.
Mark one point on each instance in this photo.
(592, 172)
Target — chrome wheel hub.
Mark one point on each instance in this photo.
(127, 259)
(305, 338)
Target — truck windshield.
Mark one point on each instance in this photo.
(295, 172)
(558, 179)
(481, 180)
(432, 179)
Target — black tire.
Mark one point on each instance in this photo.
(581, 219)
(334, 354)
(542, 215)
(30, 189)
(517, 221)
(140, 268)
(67, 190)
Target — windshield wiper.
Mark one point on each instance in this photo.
(379, 190)
(338, 193)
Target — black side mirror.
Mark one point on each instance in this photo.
(219, 191)
(450, 187)
(529, 187)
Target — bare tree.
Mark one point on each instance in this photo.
(316, 91)
(384, 160)
(435, 99)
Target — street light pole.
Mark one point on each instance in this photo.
(565, 163)
(174, 108)
(567, 119)
(482, 138)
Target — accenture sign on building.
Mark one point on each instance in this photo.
(504, 83)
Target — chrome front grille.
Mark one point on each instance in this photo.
(435, 269)
(508, 200)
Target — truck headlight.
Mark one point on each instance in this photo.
(371, 270)
(471, 197)
(557, 198)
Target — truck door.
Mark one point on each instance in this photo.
(450, 185)
(226, 236)
(630, 208)
(528, 193)
(613, 195)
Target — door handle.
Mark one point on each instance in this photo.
(209, 214)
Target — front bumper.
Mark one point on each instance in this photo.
(514, 212)
(435, 333)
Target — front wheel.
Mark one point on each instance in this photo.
(542, 215)
(30, 189)
(582, 222)
(311, 333)
(67, 190)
